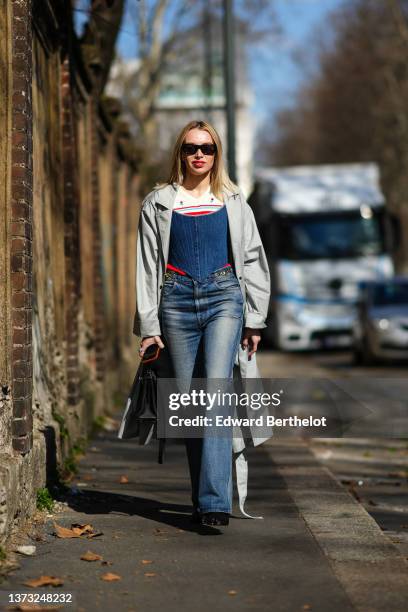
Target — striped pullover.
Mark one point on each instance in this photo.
(187, 204)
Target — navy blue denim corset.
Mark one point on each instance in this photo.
(199, 243)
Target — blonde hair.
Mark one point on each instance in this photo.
(219, 179)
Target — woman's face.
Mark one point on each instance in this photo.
(198, 164)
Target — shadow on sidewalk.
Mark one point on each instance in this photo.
(264, 480)
(174, 515)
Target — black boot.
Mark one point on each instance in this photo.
(215, 518)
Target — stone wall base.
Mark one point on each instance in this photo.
(20, 477)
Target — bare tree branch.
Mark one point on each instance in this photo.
(101, 33)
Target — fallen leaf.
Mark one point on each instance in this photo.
(109, 577)
(146, 561)
(90, 556)
(43, 581)
(76, 531)
(33, 607)
(95, 534)
(307, 607)
(64, 532)
(232, 592)
(124, 480)
(81, 529)
(149, 574)
(87, 477)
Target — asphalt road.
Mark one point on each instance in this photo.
(374, 469)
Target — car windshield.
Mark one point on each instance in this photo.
(331, 236)
(390, 294)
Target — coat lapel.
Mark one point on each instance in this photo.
(232, 203)
(164, 209)
(163, 222)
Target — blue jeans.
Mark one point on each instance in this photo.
(201, 323)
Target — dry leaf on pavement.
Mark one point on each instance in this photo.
(146, 561)
(44, 581)
(124, 480)
(109, 577)
(90, 556)
(76, 531)
(33, 607)
(64, 532)
(95, 534)
(81, 529)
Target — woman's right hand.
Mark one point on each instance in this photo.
(148, 341)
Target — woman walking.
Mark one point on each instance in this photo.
(202, 291)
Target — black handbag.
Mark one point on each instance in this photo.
(140, 417)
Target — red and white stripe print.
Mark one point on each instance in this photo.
(186, 204)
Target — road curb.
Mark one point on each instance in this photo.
(370, 568)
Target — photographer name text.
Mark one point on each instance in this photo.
(259, 421)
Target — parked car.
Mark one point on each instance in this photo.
(381, 327)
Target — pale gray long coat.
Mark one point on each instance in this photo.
(251, 268)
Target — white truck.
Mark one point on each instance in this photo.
(324, 230)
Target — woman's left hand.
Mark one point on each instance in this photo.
(250, 340)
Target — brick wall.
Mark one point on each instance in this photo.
(21, 197)
(63, 342)
(71, 238)
(97, 287)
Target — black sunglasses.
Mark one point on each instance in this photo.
(191, 149)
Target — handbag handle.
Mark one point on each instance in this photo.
(149, 358)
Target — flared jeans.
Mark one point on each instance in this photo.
(201, 323)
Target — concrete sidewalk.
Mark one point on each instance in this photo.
(316, 548)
